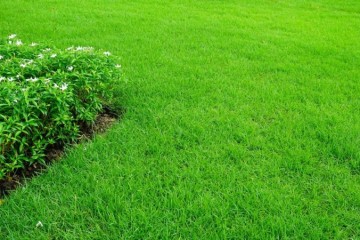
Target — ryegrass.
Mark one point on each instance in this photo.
(243, 121)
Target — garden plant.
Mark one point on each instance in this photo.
(47, 95)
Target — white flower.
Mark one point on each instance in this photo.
(46, 50)
(18, 43)
(70, 68)
(18, 76)
(64, 87)
(10, 79)
(118, 66)
(32, 79)
(12, 36)
(10, 42)
(56, 86)
(33, 44)
(15, 100)
(27, 62)
(1, 57)
(53, 55)
(107, 53)
(39, 224)
(79, 48)
(47, 80)
(70, 48)
(2, 79)
(40, 56)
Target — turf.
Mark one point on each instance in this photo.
(242, 122)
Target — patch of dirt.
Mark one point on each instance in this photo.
(105, 119)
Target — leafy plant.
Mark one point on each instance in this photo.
(46, 94)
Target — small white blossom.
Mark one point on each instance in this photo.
(23, 65)
(18, 76)
(33, 44)
(39, 224)
(118, 66)
(63, 87)
(2, 79)
(32, 79)
(1, 57)
(70, 48)
(12, 36)
(10, 42)
(70, 68)
(107, 53)
(56, 86)
(46, 50)
(18, 43)
(29, 61)
(40, 56)
(10, 79)
(47, 80)
(53, 55)
(15, 100)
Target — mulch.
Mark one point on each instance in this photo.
(105, 119)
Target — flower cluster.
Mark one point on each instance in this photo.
(42, 55)
(45, 93)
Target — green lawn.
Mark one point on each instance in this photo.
(242, 122)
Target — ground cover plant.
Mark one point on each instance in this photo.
(46, 96)
(242, 122)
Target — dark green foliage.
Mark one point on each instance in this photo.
(45, 94)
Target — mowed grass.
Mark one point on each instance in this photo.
(242, 122)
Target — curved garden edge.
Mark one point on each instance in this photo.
(104, 121)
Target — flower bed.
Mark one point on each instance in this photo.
(46, 94)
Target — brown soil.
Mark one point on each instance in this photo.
(53, 153)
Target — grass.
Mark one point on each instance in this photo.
(242, 122)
